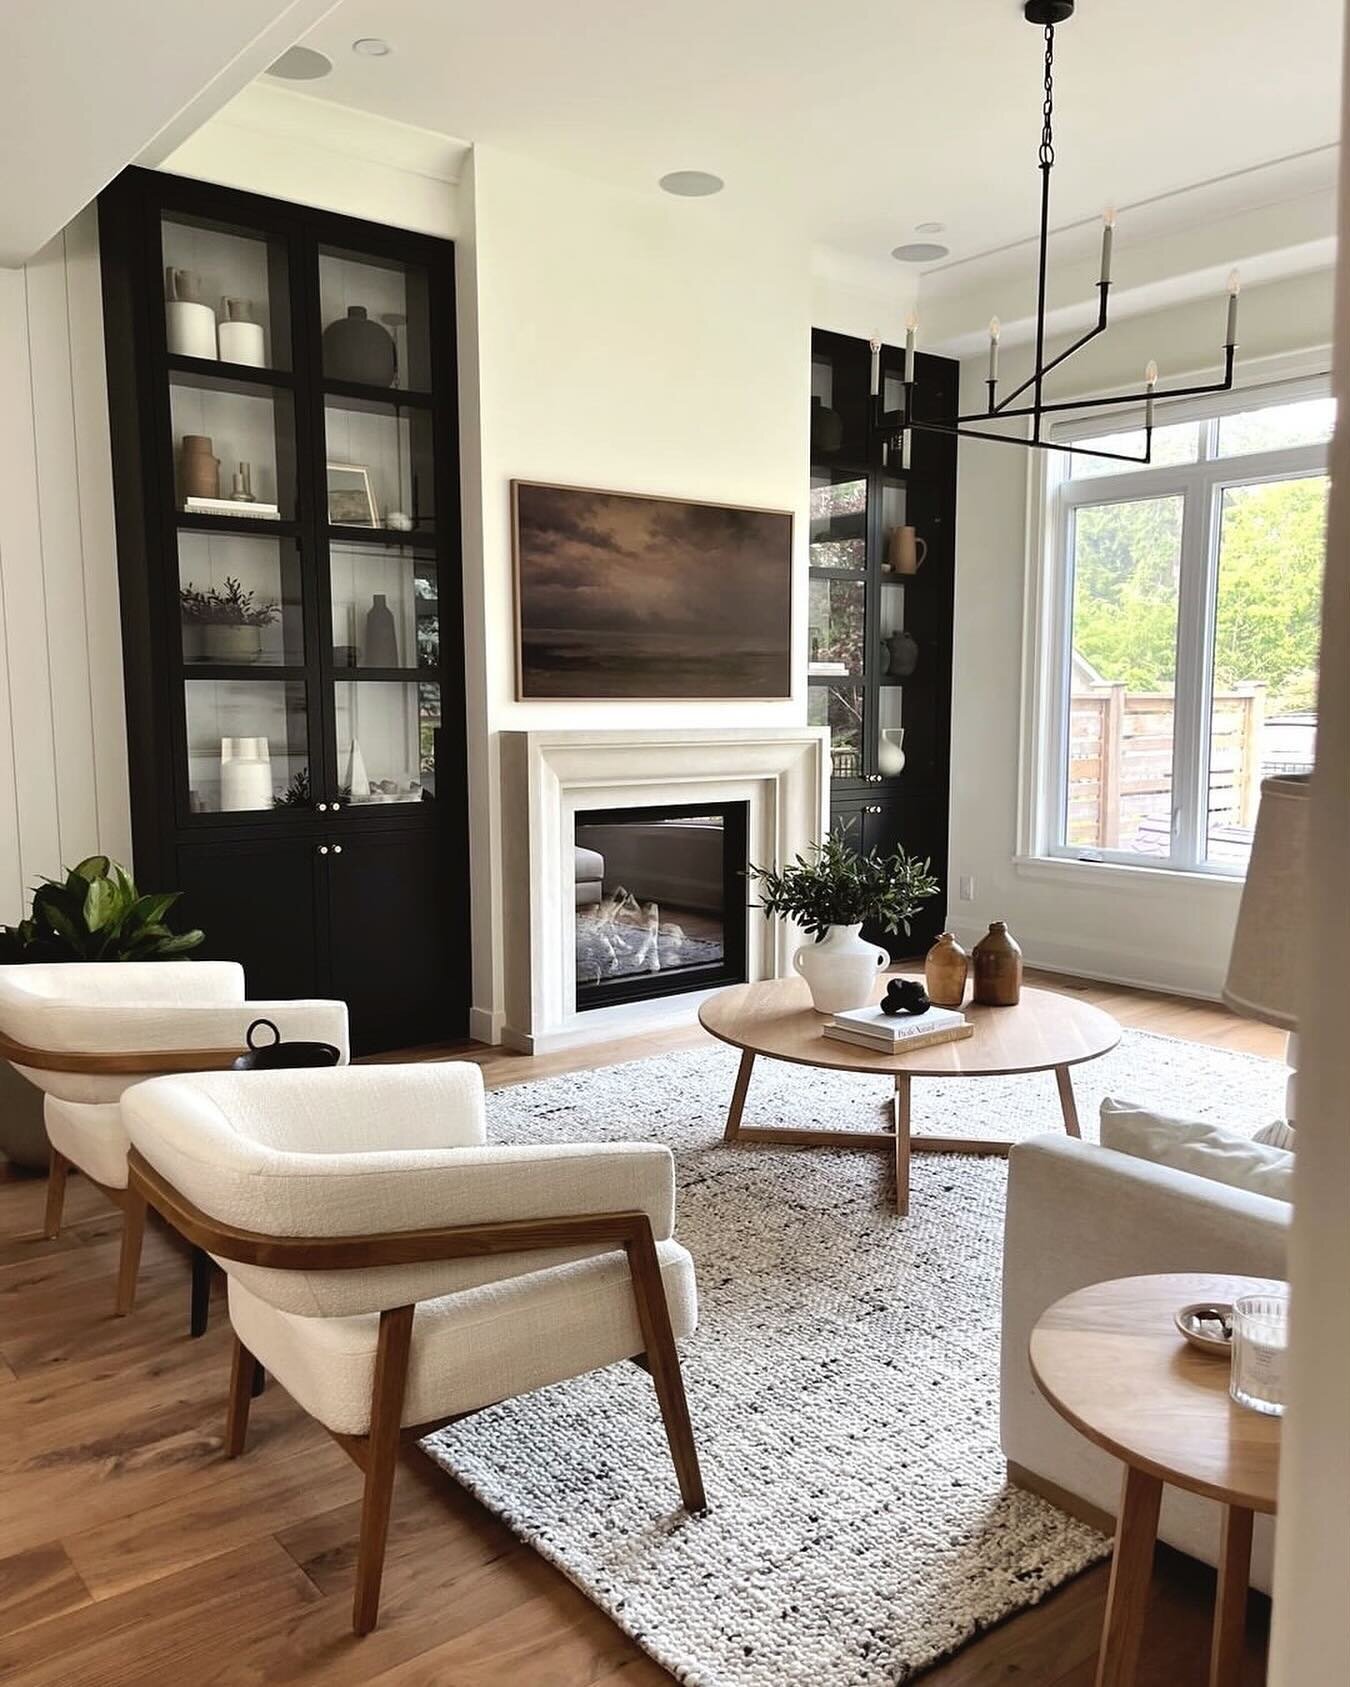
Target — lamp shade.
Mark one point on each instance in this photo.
(1269, 962)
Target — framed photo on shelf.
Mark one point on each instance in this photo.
(351, 498)
(621, 595)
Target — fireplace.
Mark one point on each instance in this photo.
(660, 900)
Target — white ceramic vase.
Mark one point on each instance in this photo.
(245, 773)
(891, 751)
(840, 969)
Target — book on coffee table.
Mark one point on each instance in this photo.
(871, 1028)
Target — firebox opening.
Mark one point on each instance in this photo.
(660, 901)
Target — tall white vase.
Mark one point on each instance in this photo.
(841, 969)
(245, 773)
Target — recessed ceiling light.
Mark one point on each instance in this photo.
(920, 252)
(691, 184)
(300, 64)
(372, 47)
(929, 228)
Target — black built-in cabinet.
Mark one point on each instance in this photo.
(862, 488)
(330, 855)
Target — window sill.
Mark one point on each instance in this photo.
(1125, 877)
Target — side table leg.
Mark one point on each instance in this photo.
(1131, 1572)
(902, 1081)
(738, 1095)
(1230, 1606)
(1068, 1105)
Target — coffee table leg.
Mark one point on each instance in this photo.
(738, 1095)
(1131, 1573)
(1230, 1607)
(902, 1082)
(1066, 1101)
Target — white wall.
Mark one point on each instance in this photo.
(1167, 930)
(630, 342)
(63, 758)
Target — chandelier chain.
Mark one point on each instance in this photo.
(1047, 153)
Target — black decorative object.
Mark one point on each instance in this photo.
(902, 654)
(1046, 14)
(905, 996)
(279, 1056)
(357, 349)
(827, 428)
(381, 635)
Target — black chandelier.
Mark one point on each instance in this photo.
(1045, 13)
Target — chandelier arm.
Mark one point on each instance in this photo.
(952, 432)
(1063, 356)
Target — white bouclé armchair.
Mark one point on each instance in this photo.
(83, 1031)
(393, 1271)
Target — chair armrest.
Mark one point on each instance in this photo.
(1080, 1214)
(107, 1038)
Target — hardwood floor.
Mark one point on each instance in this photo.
(132, 1554)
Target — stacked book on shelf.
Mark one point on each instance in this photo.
(870, 1028)
(231, 506)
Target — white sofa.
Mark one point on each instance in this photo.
(1080, 1214)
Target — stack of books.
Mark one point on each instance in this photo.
(870, 1028)
(231, 506)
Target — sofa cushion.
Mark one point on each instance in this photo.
(1190, 1145)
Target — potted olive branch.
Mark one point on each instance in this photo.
(227, 621)
(832, 894)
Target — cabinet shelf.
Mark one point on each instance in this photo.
(360, 395)
(261, 672)
(401, 676)
(419, 538)
(210, 372)
(189, 521)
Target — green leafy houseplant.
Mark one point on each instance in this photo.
(838, 887)
(230, 607)
(96, 914)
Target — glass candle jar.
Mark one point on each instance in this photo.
(1260, 1345)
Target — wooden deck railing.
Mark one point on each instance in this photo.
(1120, 762)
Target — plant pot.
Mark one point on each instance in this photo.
(840, 969)
(23, 1136)
(228, 641)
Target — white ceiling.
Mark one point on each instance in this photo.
(862, 117)
(88, 85)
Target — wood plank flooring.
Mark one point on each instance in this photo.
(132, 1554)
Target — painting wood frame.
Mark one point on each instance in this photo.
(734, 646)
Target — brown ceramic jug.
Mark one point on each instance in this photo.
(945, 969)
(998, 968)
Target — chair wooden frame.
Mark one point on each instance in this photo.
(376, 1452)
(143, 1063)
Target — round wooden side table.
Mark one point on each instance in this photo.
(1110, 1359)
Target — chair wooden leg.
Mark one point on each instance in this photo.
(56, 1194)
(133, 1234)
(381, 1461)
(663, 1361)
(243, 1372)
(259, 1380)
(202, 1270)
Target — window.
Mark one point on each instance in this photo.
(1186, 594)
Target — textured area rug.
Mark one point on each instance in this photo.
(843, 1380)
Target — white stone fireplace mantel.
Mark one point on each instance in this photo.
(780, 773)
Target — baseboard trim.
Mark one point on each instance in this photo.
(1061, 1498)
(485, 1025)
(1070, 961)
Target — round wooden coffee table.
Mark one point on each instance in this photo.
(1110, 1360)
(1045, 1032)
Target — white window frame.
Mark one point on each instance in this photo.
(1047, 633)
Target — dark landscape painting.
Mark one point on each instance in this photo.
(626, 596)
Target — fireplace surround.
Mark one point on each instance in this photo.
(778, 775)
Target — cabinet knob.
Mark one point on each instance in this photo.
(873, 808)
(323, 849)
(337, 849)
(335, 806)
(322, 807)
(873, 778)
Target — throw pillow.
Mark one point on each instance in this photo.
(1205, 1150)
(1279, 1134)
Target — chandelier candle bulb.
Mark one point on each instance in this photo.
(994, 332)
(1234, 288)
(1108, 239)
(876, 367)
(911, 326)
(1151, 381)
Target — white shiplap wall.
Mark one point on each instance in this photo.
(63, 750)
